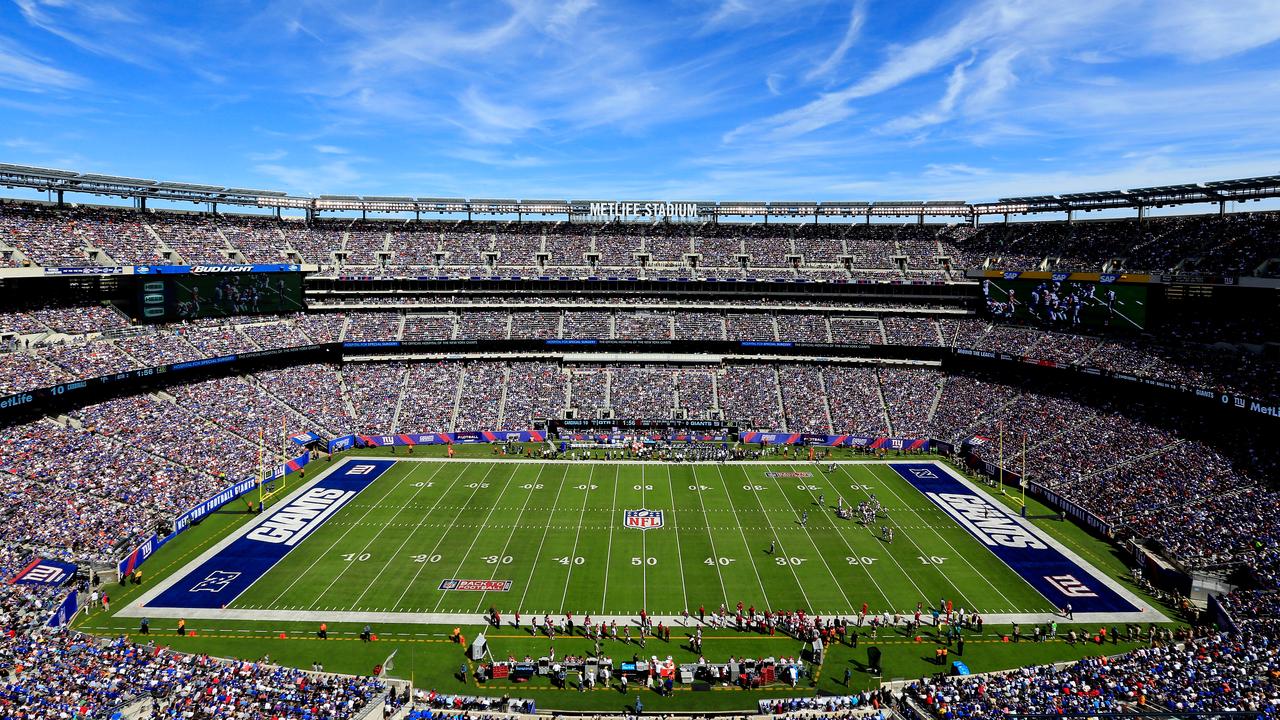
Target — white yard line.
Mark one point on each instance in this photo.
(887, 552)
(390, 558)
(461, 509)
(644, 552)
(936, 568)
(675, 528)
(782, 550)
(507, 544)
(608, 553)
(854, 554)
(392, 488)
(750, 552)
(962, 557)
(817, 551)
(582, 513)
(724, 592)
(546, 529)
(465, 555)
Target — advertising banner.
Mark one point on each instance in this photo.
(42, 571)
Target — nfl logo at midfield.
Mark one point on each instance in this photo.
(642, 519)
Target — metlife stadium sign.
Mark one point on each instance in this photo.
(643, 210)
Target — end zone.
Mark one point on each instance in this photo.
(225, 571)
(1058, 574)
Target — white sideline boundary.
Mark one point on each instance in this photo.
(137, 609)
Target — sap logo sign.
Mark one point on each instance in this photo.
(924, 473)
(217, 581)
(360, 469)
(289, 525)
(1069, 586)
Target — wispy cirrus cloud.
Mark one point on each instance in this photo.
(857, 17)
(852, 99)
(21, 69)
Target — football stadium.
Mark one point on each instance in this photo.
(369, 447)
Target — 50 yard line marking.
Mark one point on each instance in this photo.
(644, 553)
(581, 514)
(533, 566)
(487, 517)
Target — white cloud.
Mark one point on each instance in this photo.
(116, 29)
(329, 177)
(22, 70)
(330, 149)
(1201, 31)
(857, 17)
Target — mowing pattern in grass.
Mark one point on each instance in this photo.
(556, 532)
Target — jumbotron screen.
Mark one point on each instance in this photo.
(1065, 304)
(167, 298)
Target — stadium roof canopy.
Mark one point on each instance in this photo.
(65, 181)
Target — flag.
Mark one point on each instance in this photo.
(389, 663)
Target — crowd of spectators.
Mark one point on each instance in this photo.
(258, 240)
(374, 391)
(429, 393)
(642, 326)
(750, 394)
(534, 390)
(422, 328)
(854, 399)
(909, 395)
(754, 326)
(1237, 243)
(1215, 673)
(483, 325)
(641, 392)
(536, 325)
(374, 326)
(66, 674)
(480, 402)
(804, 405)
(194, 236)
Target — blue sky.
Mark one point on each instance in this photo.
(690, 99)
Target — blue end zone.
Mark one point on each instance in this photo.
(223, 577)
(1044, 567)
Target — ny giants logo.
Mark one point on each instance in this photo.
(45, 575)
(1071, 587)
(642, 519)
(216, 581)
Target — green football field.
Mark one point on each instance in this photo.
(556, 532)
